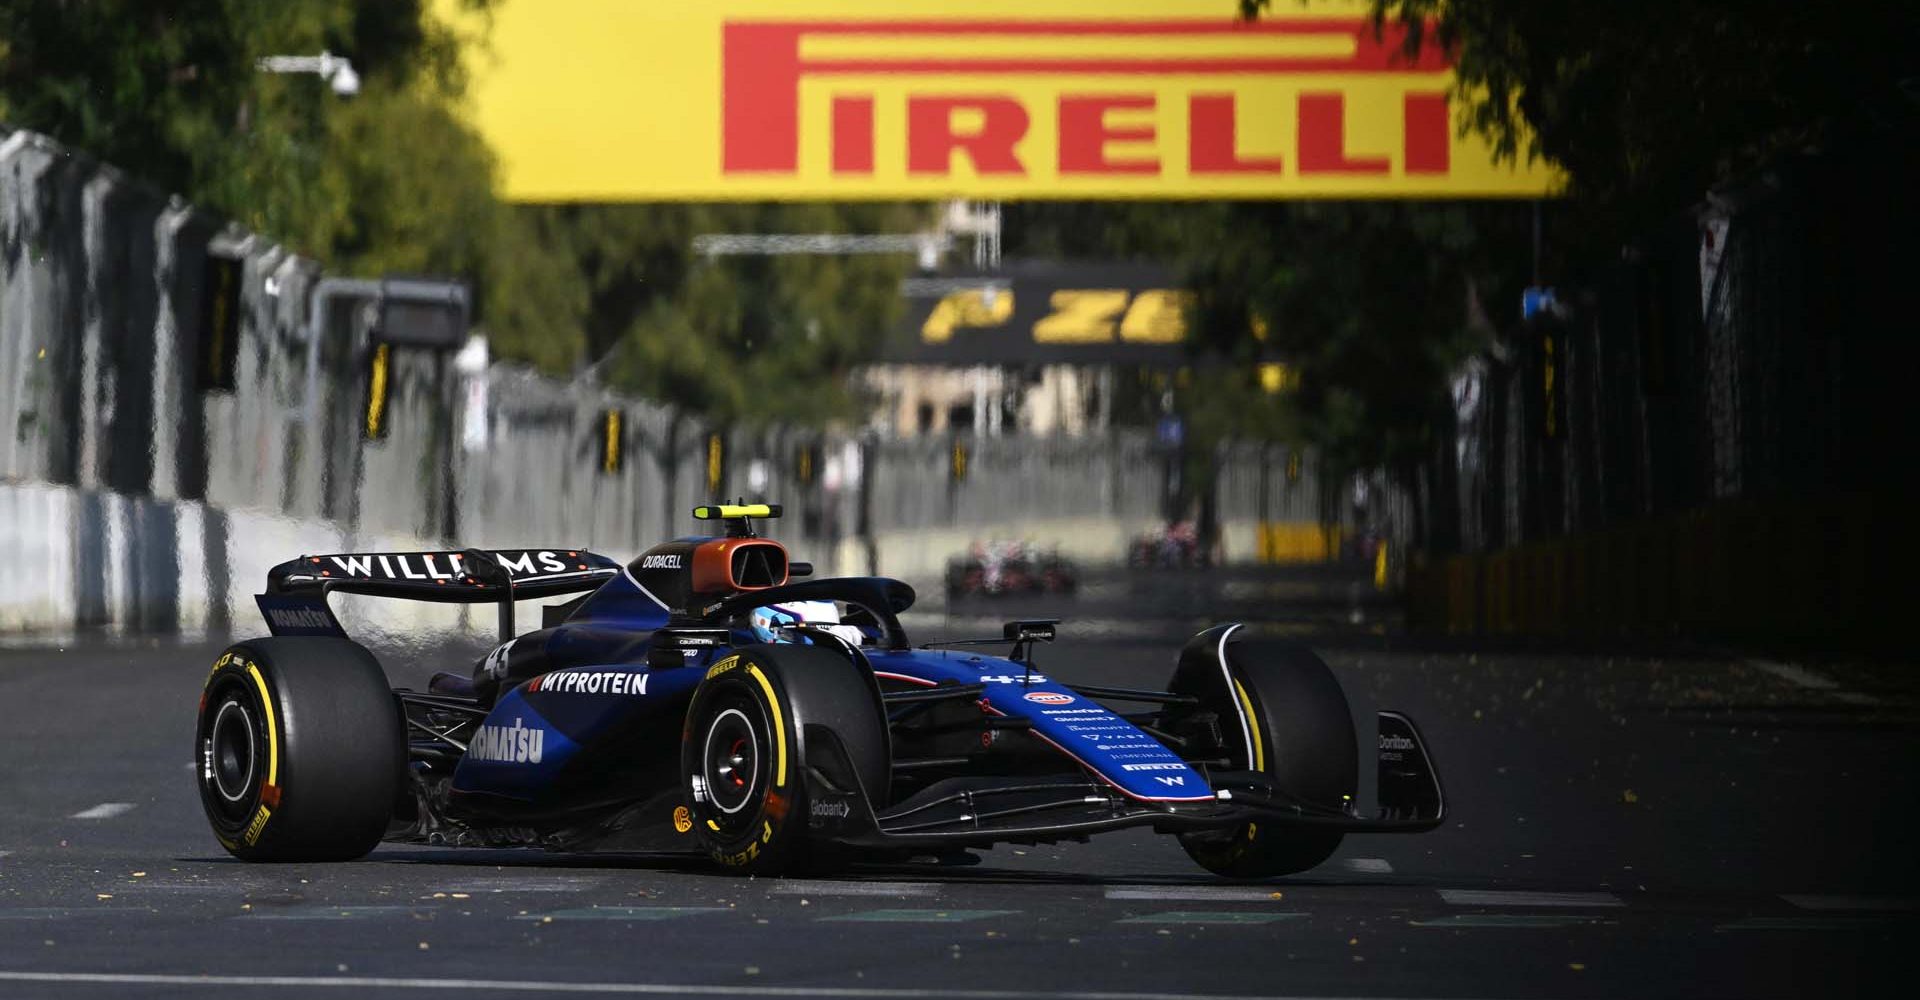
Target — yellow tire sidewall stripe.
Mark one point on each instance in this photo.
(273, 728)
(1252, 831)
(1253, 726)
(779, 726)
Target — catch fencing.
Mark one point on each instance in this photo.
(173, 430)
(1714, 440)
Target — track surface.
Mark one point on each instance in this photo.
(1621, 826)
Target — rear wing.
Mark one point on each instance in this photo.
(297, 589)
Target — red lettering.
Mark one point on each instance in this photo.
(1084, 135)
(760, 85)
(853, 135)
(1323, 143)
(1428, 144)
(931, 140)
(1212, 140)
(762, 66)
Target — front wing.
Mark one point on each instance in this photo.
(980, 811)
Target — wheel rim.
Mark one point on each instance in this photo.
(231, 752)
(732, 761)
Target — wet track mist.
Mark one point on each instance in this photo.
(1625, 824)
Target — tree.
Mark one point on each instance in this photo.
(390, 180)
(1648, 103)
(753, 340)
(1368, 305)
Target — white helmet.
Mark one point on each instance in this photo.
(767, 622)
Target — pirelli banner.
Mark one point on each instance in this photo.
(636, 100)
(1045, 312)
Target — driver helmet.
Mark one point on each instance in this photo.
(768, 621)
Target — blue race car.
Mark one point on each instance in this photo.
(699, 699)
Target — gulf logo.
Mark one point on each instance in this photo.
(1049, 697)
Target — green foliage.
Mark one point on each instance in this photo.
(741, 340)
(1647, 103)
(136, 83)
(1373, 304)
(169, 91)
(393, 181)
(737, 340)
(388, 181)
(1370, 305)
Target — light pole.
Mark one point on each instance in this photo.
(337, 71)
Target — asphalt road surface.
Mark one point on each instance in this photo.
(1697, 825)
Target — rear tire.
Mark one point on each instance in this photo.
(760, 719)
(1302, 738)
(300, 750)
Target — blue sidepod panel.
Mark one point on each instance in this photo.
(540, 727)
(1112, 747)
(586, 710)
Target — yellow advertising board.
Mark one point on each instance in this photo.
(643, 100)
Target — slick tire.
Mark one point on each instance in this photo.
(299, 751)
(764, 721)
(1302, 737)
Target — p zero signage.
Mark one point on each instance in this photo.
(986, 99)
(1037, 312)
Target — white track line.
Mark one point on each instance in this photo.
(1879, 904)
(105, 810)
(629, 989)
(830, 887)
(557, 883)
(1794, 674)
(1497, 897)
(1367, 866)
(1811, 680)
(1205, 893)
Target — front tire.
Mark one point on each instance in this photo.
(764, 717)
(1298, 732)
(300, 750)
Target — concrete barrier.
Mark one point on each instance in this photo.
(149, 493)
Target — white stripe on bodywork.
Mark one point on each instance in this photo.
(1246, 730)
(885, 676)
(643, 589)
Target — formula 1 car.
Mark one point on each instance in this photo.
(1177, 546)
(996, 568)
(651, 713)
